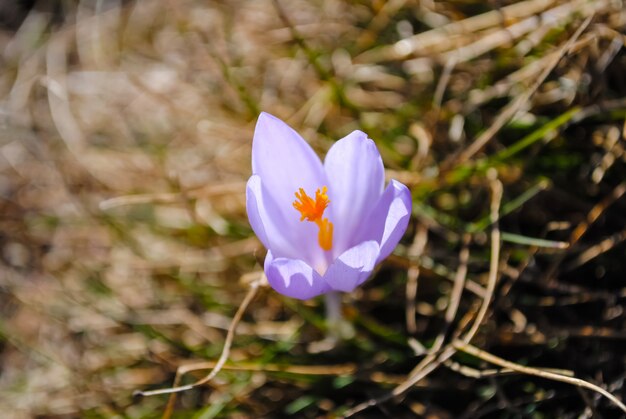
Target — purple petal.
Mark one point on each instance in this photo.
(254, 207)
(389, 219)
(285, 162)
(266, 221)
(357, 178)
(352, 267)
(294, 278)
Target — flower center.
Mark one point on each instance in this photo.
(313, 210)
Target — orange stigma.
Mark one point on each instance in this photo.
(313, 210)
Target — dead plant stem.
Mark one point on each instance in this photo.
(486, 356)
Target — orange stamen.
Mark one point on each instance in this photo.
(313, 210)
(325, 235)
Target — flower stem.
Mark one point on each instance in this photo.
(338, 328)
(333, 307)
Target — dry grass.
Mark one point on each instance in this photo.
(125, 138)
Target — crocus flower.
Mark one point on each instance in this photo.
(325, 225)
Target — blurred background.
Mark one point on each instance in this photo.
(125, 251)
